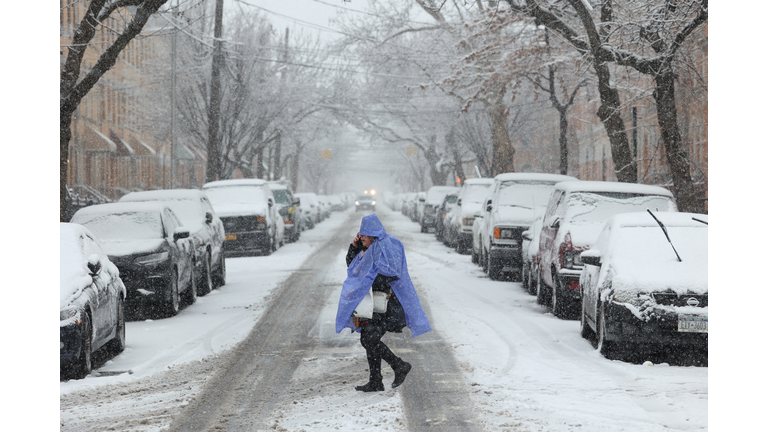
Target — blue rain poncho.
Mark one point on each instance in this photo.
(385, 256)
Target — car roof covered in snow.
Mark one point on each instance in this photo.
(472, 181)
(235, 182)
(164, 195)
(534, 177)
(605, 186)
(123, 207)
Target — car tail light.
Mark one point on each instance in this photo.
(573, 285)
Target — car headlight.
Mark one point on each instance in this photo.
(154, 258)
(68, 312)
(373, 202)
(572, 259)
(503, 233)
(468, 221)
(357, 202)
(630, 297)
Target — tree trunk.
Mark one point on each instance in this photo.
(563, 141)
(436, 173)
(503, 152)
(679, 165)
(450, 140)
(610, 114)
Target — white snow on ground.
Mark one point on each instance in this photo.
(527, 370)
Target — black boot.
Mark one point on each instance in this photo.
(372, 386)
(400, 372)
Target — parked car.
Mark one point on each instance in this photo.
(337, 203)
(310, 208)
(572, 221)
(515, 198)
(152, 250)
(530, 252)
(444, 213)
(91, 302)
(289, 208)
(432, 201)
(205, 229)
(365, 202)
(471, 197)
(247, 210)
(645, 282)
(478, 232)
(325, 206)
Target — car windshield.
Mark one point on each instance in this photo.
(649, 243)
(282, 196)
(451, 199)
(189, 212)
(236, 194)
(525, 194)
(126, 225)
(596, 207)
(476, 193)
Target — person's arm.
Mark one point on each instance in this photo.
(352, 253)
(381, 283)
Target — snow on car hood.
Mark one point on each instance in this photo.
(583, 235)
(119, 248)
(514, 215)
(241, 209)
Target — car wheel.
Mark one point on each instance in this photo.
(559, 308)
(83, 364)
(533, 281)
(191, 296)
(541, 292)
(205, 285)
(524, 278)
(605, 347)
(117, 345)
(269, 247)
(494, 269)
(172, 303)
(461, 247)
(475, 258)
(221, 273)
(586, 331)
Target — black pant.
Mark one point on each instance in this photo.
(375, 350)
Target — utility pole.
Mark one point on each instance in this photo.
(213, 169)
(173, 99)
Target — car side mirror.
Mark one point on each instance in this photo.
(94, 265)
(527, 235)
(297, 201)
(208, 218)
(458, 203)
(488, 207)
(270, 202)
(591, 257)
(555, 223)
(180, 233)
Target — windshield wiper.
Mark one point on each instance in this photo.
(663, 228)
(699, 220)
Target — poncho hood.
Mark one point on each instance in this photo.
(385, 256)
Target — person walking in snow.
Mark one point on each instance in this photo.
(376, 261)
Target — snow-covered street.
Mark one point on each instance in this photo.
(521, 368)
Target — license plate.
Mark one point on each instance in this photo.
(230, 237)
(692, 324)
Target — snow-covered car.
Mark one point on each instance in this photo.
(432, 201)
(575, 213)
(471, 197)
(325, 206)
(645, 282)
(205, 229)
(445, 213)
(337, 203)
(365, 202)
(530, 252)
(247, 210)
(91, 301)
(289, 208)
(311, 210)
(152, 250)
(515, 200)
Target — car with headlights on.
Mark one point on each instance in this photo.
(365, 202)
(91, 302)
(515, 199)
(206, 231)
(645, 283)
(575, 214)
(152, 250)
(247, 210)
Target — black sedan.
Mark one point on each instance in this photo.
(153, 251)
(206, 231)
(91, 302)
